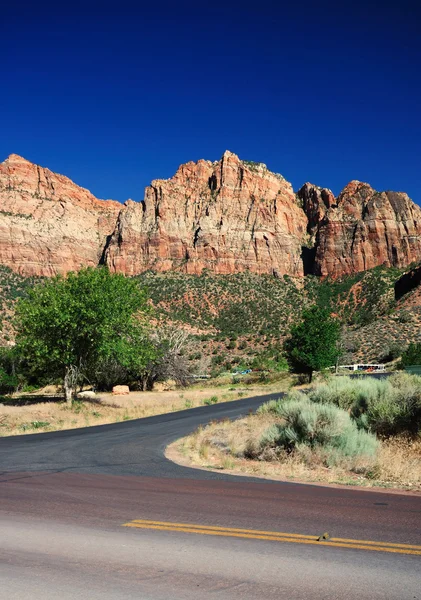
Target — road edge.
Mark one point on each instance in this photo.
(172, 454)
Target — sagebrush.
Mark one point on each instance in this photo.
(305, 426)
(387, 407)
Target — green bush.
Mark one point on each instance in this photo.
(391, 352)
(412, 355)
(8, 383)
(324, 428)
(387, 407)
(269, 360)
(352, 395)
(12, 369)
(211, 400)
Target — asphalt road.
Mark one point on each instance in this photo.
(64, 497)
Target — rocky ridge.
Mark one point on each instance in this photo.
(226, 216)
(48, 224)
(361, 229)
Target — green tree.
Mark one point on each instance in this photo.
(313, 343)
(412, 355)
(67, 325)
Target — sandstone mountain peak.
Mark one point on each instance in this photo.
(227, 216)
(221, 216)
(354, 186)
(48, 224)
(228, 153)
(16, 158)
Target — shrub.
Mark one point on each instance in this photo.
(324, 428)
(8, 383)
(269, 360)
(218, 359)
(211, 400)
(352, 395)
(399, 409)
(394, 350)
(13, 371)
(412, 355)
(404, 317)
(387, 407)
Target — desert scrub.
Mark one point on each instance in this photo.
(321, 432)
(237, 446)
(387, 407)
(210, 401)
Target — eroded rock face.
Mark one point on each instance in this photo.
(227, 216)
(315, 202)
(48, 224)
(365, 229)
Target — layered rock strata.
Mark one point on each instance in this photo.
(48, 224)
(361, 229)
(225, 216)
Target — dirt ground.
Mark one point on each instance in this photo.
(46, 411)
(220, 445)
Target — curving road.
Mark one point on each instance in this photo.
(64, 497)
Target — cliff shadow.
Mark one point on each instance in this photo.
(407, 283)
(308, 256)
(102, 260)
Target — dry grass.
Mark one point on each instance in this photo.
(221, 445)
(49, 414)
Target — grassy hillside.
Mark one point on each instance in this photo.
(228, 305)
(237, 319)
(246, 303)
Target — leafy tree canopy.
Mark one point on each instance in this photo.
(412, 355)
(313, 343)
(67, 324)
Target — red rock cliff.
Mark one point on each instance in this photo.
(226, 216)
(363, 229)
(48, 224)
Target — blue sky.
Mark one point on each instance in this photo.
(117, 94)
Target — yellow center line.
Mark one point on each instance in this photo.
(226, 529)
(275, 536)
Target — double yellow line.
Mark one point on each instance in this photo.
(275, 536)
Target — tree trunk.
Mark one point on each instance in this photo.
(150, 383)
(310, 376)
(68, 388)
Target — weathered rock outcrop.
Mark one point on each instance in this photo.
(362, 229)
(48, 224)
(315, 201)
(226, 216)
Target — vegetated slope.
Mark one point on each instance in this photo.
(239, 304)
(236, 317)
(385, 337)
(246, 303)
